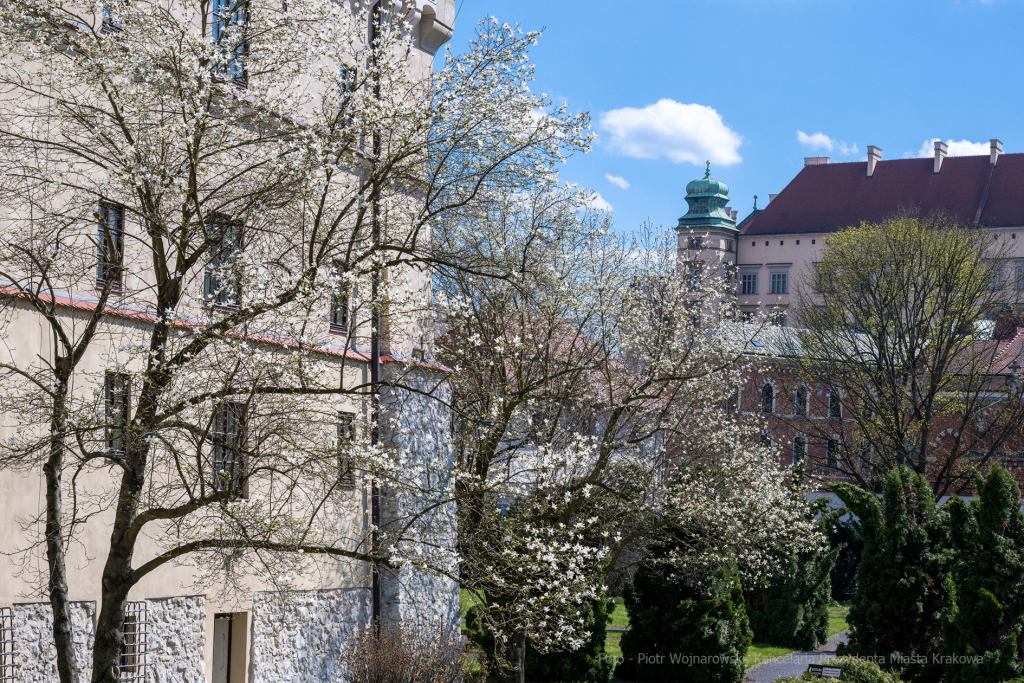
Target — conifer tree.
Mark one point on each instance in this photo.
(982, 632)
(896, 611)
(684, 628)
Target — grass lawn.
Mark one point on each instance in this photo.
(619, 618)
(466, 600)
(760, 652)
(837, 619)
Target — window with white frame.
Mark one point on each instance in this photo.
(748, 283)
(134, 651)
(779, 283)
(832, 448)
(8, 663)
(835, 406)
(799, 448)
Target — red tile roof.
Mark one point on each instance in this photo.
(830, 197)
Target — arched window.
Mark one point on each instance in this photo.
(767, 399)
(802, 396)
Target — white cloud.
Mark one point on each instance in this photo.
(690, 133)
(820, 141)
(598, 202)
(957, 148)
(617, 180)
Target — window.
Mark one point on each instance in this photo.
(340, 308)
(109, 246)
(832, 452)
(777, 319)
(867, 458)
(221, 284)
(695, 243)
(8, 665)
(346, 437)
(799, 449)
(732, 402)
(767, 399)
(228, 436)
(779, 283)
(228, 25)
(728, 245)
(110, 23)
(346, 87)
(835, 406)
(748, 316)
(748, 283)
(765, 439)
(1020, 277)
(116, 393)
(998, 278)
(134, 654)
(802, 401)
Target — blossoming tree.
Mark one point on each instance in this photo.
(196, 195)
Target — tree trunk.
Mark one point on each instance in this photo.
(512, 662)
(63, 629)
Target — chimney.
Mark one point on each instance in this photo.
(874, 156)
(815, 161)
(940, 153)
(995, 149)
(771, 197)
(735, 214)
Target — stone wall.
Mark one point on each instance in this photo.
(33, 633)
(177, 636)
(417, 424)
(298, 637)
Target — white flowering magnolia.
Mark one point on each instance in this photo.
(209, 208)
(590, 389)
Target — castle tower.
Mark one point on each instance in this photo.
(708, 231)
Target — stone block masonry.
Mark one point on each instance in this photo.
(298, 637)
(177, 636)
(33, 634)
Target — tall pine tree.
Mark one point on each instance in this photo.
(896, 612)
(984, 630)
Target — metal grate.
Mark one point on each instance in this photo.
(8, 667)
(134, 655)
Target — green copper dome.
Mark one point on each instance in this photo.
(707, 199)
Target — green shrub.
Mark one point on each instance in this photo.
(585, 665)
(791, 610)
(854, 671)
(901, 596)
(672, 620)
(987, 582)
(845, 534)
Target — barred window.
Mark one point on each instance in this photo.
(8, 666)
(228, 435)
(340, 307)
(346, 437)
(748, 283)
(109, 246)
(221, 284)
(134, 652)
(116, 390)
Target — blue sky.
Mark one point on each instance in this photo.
(671, 82)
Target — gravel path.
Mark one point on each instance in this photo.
(795, 663)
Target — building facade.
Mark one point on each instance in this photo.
(181, 623)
